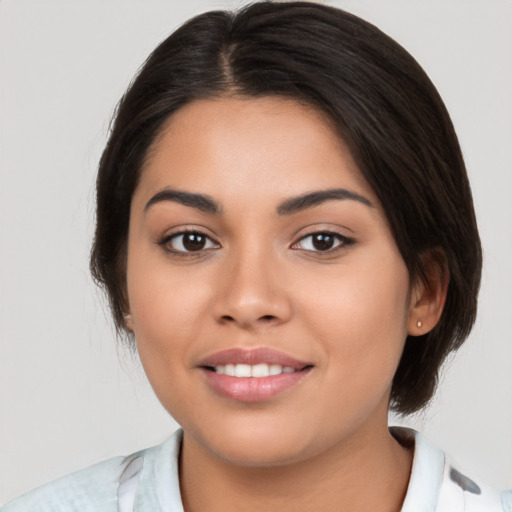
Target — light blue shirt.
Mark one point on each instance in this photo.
(147, 481)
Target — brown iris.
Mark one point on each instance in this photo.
(323, 241)
(194, 241)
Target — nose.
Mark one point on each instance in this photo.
(252, 293)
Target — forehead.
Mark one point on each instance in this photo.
(268, 146)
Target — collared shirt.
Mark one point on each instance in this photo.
(147, 481)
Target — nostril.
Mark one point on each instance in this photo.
(247, 318)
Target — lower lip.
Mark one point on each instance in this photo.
(253, 389)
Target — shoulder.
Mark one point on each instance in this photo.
(436, 484)
(92, 488)
(470, 494)
(102, 486)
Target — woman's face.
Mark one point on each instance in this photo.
(257, 248)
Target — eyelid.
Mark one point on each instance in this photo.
(344, 241)
(168, 237)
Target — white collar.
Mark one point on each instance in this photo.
(150, 480)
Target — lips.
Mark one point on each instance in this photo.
(252, 357)
(252, 375)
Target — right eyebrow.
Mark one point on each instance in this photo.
(200, 202)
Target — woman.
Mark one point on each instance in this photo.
(286, 231)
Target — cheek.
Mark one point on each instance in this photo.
(167, 310)
(166, 306)
(360, 315)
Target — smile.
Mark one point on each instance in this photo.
(257, 370)
(252, 375)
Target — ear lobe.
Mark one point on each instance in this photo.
(429, 294)
(128, 321)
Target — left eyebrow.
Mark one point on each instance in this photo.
(311, 199)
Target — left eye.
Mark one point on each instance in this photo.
(324, 241)
(190, 241)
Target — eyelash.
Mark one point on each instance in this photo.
(343, 242)
(166, 242)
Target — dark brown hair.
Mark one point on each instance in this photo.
(382, 104)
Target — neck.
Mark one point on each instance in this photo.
(338, 479)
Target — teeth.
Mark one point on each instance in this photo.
(275, 369)
(242, 370)
(257, 370)
(260, 370)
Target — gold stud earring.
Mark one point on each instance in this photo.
(419, 324)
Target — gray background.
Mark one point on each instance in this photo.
(69, 395)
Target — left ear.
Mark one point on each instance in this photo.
(428, 295)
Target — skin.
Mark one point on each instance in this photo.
(259, 282)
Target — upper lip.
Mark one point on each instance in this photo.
(252, 357)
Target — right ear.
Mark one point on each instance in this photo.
(128, 321)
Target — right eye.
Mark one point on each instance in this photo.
(186, 242)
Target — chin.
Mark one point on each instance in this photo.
(255, 443)
(256, 455)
